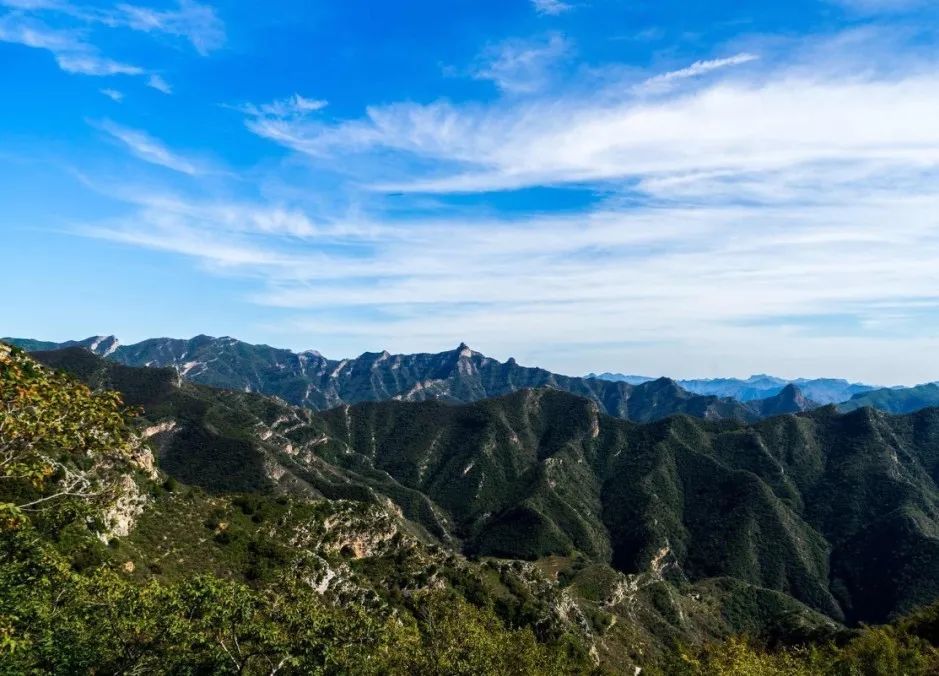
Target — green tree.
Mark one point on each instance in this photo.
(58, 439)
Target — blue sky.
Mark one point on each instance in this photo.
(690, 189)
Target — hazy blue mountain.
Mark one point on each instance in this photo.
(790, 399)
(620, 378)
(831, 390)
(820, 390)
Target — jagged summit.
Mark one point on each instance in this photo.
(459, 375)
(789, 400)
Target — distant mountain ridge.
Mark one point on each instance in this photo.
(896, 399)
(620, 378)
(760, 386)
(456, 376)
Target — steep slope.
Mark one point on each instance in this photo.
(220, 440)
(461, 375)
(798, 504)
(896, 400)
(100, 345)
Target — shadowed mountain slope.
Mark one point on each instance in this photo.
(839, 511)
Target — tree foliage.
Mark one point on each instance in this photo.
(56, 620)
(889, 650)
(58, 439)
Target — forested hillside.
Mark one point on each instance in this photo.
(225, 531)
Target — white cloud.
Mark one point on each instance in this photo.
(697, 69)
(197, 23)
(641, 275)
(781, 121)
(72, 53)
(113, 94)
(149, 149)
(521, 66)
(75, 53)
(157, 82)
(776, 218)
(92, 64)
(193, 21)
(290, 107)
(551, 7)
(32, 4)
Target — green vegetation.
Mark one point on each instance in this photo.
(68, 606)
(273, 537)
(906, 647)
(56, 620)
(59, 441)
(896, 400)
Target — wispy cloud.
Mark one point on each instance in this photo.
(551, 7)
(161, 85)
(508, 283)
(93, 64)
(696, 69)
(290, 107)
(193, 21)
(113, 94)
(521, 66)
(778, 121)
(149, 149)
(72, 52)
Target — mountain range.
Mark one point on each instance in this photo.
(628, 536)
(836, 511)
(457, 376)
(896, 400)
(463, 375)
(820, 390)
